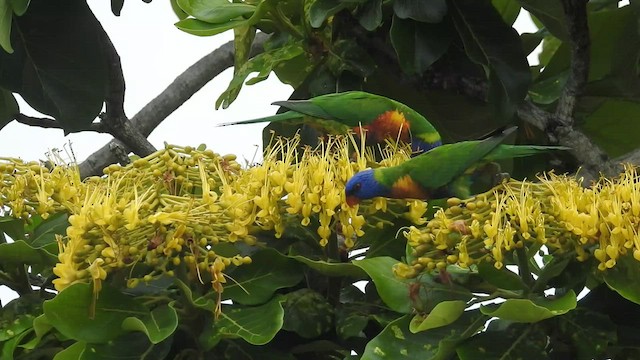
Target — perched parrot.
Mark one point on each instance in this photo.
(381, 117)
(438, 173)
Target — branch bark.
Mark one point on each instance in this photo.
(560, 124)
(576, 19)
(170, 99)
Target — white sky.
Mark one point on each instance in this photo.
(153, 53)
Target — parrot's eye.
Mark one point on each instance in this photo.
(357, 187)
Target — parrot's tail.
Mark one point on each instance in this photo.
(513, 151)
(289, 115)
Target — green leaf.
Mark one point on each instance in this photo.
(41, 326)
(307, 313)
(347, 55)
(59, 66)
(256, 283)
(116, 6)
(614, 45)
(550, 46)
(128, 347)
(263, 64)
(6, 15)
(530, 41)
(609, 126)
(503, 278)
(520, 341)
(591, 333)
(17, 326)
(320, 10)
(496, 46)
(202, 302)
(397, 342)
(508, 10)
(443, 314)
(12, 227)
(9, 346)
(8, 107)
(215, 11)
(257, 325)
(19, 6)
(350, 321)
(429, 11)
(622, 278)
(392, 290)
(72, 352)
(242, 39)
(69, 312)
(19, 252)
(528, 311)
(45, 233)
(371, 15)
(547, 91)
(158, 325)
(426, 293)
(550, 14)
(333, 269)
(418, 45)
(178, 11)
(201, 28)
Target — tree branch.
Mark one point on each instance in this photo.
(176, 94)
(575, 12)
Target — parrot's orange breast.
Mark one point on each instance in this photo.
(407, 188)
(388, 125)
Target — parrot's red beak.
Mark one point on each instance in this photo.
(352, 200)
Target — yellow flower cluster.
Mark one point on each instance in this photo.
(28, 189)
(160, 211)
(169, 210)
(557, 212)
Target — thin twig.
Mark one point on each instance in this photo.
(49, 123)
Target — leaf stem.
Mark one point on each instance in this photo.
(277, 12)
(504, 294)
(334, 283)
(523, 268)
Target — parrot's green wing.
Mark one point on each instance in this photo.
(350, 108)
(439, 166)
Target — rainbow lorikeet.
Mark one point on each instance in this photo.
(440, 172)
(381, 117)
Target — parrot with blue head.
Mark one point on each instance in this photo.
(438, 172)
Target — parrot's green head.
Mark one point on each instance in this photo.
(364, 185)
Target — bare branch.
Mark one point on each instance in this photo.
(176, 94)
(576, 18)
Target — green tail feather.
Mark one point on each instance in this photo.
(513, 151)
(289, 115)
